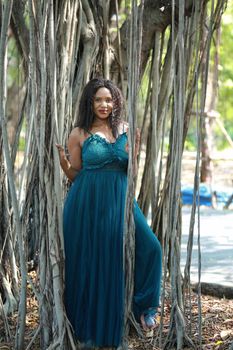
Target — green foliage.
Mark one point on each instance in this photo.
(13, 76)
(21, 144)
(191, 139)
(190, 142)
(225, 99)
(124, 11)
(225, 84)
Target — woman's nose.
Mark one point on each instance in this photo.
(104, 103)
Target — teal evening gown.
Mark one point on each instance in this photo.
(93, 236)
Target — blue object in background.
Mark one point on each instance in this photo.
(205, 195)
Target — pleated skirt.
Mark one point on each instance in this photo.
(93, 237)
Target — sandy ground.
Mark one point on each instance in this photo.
(216, 242)
(216, 226)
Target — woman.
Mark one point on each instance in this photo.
(94, 221)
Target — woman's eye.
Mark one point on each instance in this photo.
(99, 100)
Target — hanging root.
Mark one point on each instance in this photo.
(10, 304)
(177, 335)
(33, 338)
(6, 325)
(135, 325)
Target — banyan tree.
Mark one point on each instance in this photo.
(157, 52)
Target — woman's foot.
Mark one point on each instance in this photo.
(148, 321)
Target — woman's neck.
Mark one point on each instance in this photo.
(104, 127)
(98, 123)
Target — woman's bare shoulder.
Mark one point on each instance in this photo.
(78, 133)
(78, 136)
(75, 137)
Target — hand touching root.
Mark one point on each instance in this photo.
(61, 152)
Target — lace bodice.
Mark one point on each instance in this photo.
(97, 152)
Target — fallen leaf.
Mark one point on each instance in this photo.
(226, 333)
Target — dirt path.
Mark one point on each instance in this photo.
(216, 245)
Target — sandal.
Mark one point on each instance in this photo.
(148, 322)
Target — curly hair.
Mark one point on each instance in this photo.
(86, 115)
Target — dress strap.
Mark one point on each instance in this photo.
(90, 133)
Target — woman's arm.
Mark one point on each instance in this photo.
(72, 166)
(65, 164)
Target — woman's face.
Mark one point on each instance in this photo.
(102, 103)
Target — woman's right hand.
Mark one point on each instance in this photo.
(61, 152)
(65, 163)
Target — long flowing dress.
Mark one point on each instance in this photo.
(93, 236)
